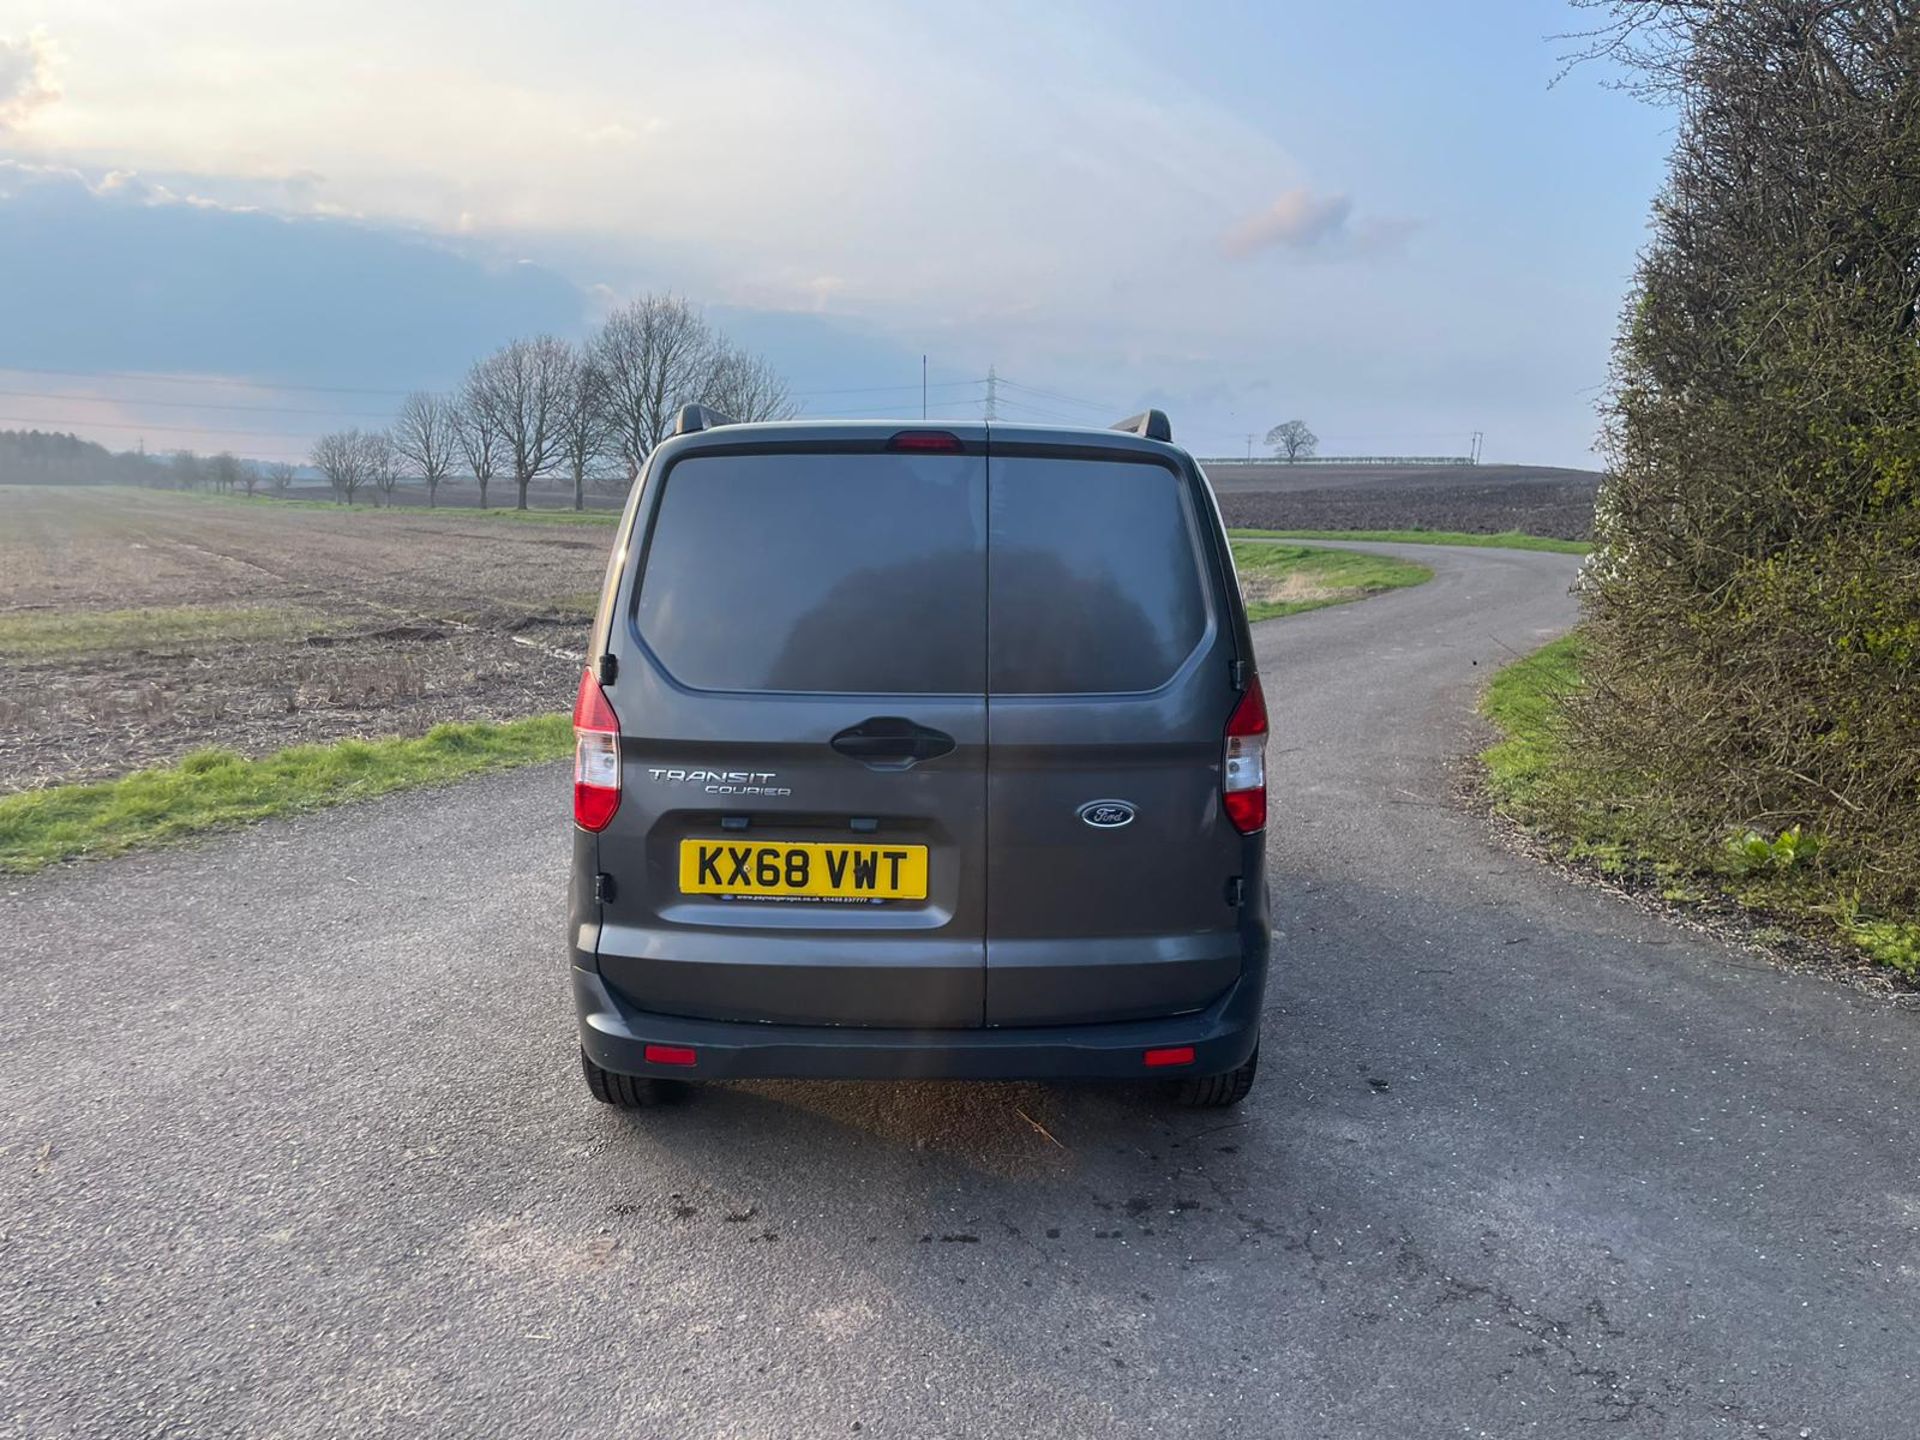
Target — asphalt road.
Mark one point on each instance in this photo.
(294, 1145)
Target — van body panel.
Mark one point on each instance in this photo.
(1134, 674)
(762, 599)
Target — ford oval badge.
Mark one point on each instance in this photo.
(1107, 814)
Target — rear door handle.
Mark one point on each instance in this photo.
(891, 742)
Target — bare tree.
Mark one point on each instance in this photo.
(341, 456)
(523, 387)
(586, 429)
(426, 433)
(653, 355)
(249, 476)
(186, 470)
(743, 386)
(280, 476)
(477, 432)
(382, 462)
(1293, 440)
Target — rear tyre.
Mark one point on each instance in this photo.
(1216, 1092)
(627, 1092)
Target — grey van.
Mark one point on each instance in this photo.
(919, 752)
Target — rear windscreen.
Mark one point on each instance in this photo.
(1094, 584)
(860, 574)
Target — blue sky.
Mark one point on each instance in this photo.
(1379, 217)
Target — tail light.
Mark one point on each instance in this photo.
(1243, 776)
(596, 757)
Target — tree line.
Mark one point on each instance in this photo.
(50, 457)
(542, 407)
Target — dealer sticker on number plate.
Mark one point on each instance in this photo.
(804, 870)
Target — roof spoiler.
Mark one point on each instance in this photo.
(1148, 425)
(694, 418)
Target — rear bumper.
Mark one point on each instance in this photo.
(615, 1036)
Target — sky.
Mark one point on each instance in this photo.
(226, 224)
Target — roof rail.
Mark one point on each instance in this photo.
(1148, 425)
(695, 418)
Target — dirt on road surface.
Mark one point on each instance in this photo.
(256, 626)
(1522, 1160)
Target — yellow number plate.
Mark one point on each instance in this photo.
(803, 870)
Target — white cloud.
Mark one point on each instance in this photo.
(1298, 220)
(1028, 185)
(26, 77)
(928, 168)
(1310, 224)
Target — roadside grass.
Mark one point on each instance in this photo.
(216, 789)
(1523, 699)
(525, 517)
(1605, 822)
(577, 602)
(1505, 540)
(48, 634)
(1287, 579)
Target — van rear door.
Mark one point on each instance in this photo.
(801, 647)
(1111, 867)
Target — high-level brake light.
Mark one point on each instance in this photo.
(1243, 775)
(926, 442)
(596, 757)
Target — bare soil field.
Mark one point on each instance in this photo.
(1477, 499)
(137, 626)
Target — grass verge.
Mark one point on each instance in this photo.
(1505, 540)
(602, 518)
(1589, 817)
(1287, 579)
(215, 789)
(1523, 699)
(367, 505)
(45, 634)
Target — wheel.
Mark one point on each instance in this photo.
(627, 1092)
(1216, 1092)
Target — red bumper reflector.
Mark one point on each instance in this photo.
(1173, 1055)
(681, 1055)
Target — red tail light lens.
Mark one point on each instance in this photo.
(937, 442)
(596, 757)
(1243, 774)
(1172, 1055)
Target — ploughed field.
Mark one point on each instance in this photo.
(1478, 499)
(137, 626)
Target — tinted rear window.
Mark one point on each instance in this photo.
(860, 574)
(1094, 584)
